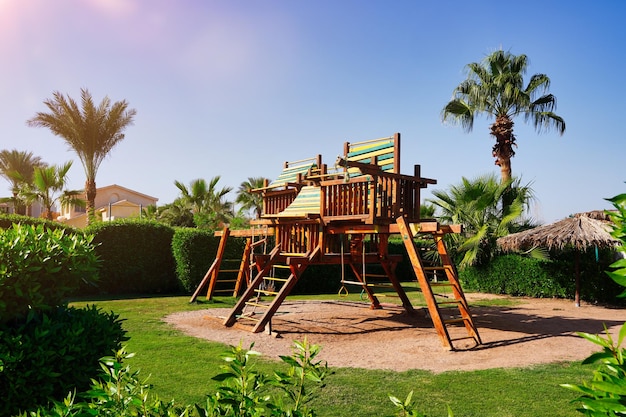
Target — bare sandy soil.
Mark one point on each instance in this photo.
(532, 331)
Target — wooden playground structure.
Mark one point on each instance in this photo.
(340, 216)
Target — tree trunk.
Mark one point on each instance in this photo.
(90, 193)
(502, 130)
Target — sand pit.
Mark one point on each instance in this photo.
(532, 331)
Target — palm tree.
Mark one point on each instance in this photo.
(176, 214)
(496, 88)
(477, 205)
(47, 183)
(18, 168)
(206, 202)
(248, 199)
(92, 132)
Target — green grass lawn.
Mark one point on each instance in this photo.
(181, 367)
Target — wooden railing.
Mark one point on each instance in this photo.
(275, 202)
(301, 237)
(373, 199)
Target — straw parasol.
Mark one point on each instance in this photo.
(580, 231)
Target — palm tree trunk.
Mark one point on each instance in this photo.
(502, 130)
(90, 193)
(505, 169)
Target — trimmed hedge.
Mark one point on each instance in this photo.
(194, 251)
(53, 353)
(7, 221)
(136, 257)
(518, 275)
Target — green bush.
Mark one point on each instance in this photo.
(519, 275)
(195, 250)
(516, 275)
(39, 267)
(136, 257)
(8, 220)
(244, 392)
(52, 353)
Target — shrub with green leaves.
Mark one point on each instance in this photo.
(136, 257)
(39, 267)
(516, 275)
(194, 251)
(120, 392)
(605, 394)
(8, 220)
(619, 232)
(52, 353)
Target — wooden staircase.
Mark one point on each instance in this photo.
(445, 309)
(278, 274)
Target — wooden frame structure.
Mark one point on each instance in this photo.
(313, 212)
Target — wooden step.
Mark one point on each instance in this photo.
(253, 304)
(275, 279)
(434, 268)
(454, 321)
(266, 292)
(451, 302)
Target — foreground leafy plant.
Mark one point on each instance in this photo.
(39, 267)
(119, 391)
(406, 408)
(619, 232)
(605, 395)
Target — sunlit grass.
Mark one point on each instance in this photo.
(181, 367)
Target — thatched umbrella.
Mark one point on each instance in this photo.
(580, 232)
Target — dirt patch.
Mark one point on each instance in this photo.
(532, 331)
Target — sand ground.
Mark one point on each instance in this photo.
(531, 331)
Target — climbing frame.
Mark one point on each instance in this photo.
(312, 210)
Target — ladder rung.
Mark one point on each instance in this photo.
(276, 279)
(266, 292)
(455, 302)
(434, 268)
(244, 317)
(453, 321)
(225, 290)
(293, 254)
(281, 266)
(226, 280)
(229, 270)
(253, 304)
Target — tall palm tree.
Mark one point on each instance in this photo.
(18, 168)
(477, 205)
(48, 182)
(496, 88)
(91, 131)
(248, 199)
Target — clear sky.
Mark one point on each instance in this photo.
(234, 88)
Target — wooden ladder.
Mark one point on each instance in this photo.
(216, 273)
(425, 277)
(268, 290)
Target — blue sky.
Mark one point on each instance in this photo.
(235, 88)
